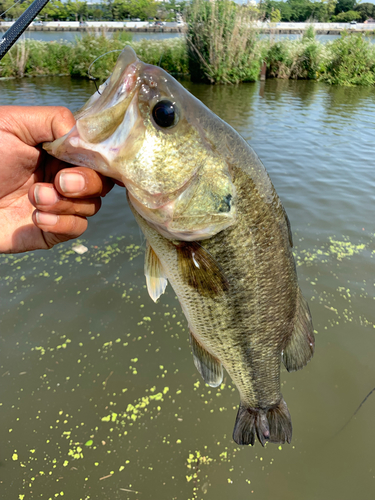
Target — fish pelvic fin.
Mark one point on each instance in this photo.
(156, 279)
(199, 269)
(300, 348)
(272, 424)
(208, 366)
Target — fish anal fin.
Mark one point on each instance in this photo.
(300, 347)
(156, 279)
(208, 366)
(272, 424)
(200, 270)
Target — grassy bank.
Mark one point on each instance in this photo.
(213, 54)
(36, 58)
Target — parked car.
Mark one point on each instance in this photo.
(353, 22)
(38, 23)
(158, 23)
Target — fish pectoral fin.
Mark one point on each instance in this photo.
(155, 277)
(199, 269)
(300, 348)
(273, 424)
(208, 366)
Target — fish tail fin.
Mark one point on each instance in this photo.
(272, 424)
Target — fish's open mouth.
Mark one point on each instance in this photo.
(103, 136)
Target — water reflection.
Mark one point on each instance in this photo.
(100, 398)
(347, 101)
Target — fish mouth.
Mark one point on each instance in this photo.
(106, 110)
(107, 123)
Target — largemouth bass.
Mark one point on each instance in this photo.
(215, 229)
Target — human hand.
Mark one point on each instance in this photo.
(29, 177)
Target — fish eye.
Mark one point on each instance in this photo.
(164, 113)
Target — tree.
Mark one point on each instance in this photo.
(16, 10)
(327, 10)
(135, 9)
(54, 10)
(76, 9)
(275, 16)
(344, 6)
(346, 17)
(366, 10)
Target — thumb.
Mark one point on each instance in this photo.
(36, 124)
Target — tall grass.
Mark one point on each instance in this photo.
(222, 42)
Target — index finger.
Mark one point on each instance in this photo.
(36, 124)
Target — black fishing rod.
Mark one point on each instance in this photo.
(15, 31)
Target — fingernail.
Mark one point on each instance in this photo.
(46, 219)
(71, 183)
(45, 195)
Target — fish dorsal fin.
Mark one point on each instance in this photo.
(208, 366)
(301, 345)
(199, 270)
(155, 277)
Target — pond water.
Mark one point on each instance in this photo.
(99, 395)
(70, 36)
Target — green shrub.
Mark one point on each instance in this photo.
(297, 59)
(279, 59)
(170, 54)
(33, 58)
(88, 48)
(351, 61)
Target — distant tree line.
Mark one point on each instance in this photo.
(108, 10)
(120, 10)
(319, 11)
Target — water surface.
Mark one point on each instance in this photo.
(70, 36)
(99, 395)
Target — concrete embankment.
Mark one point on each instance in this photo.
(105, 28)
(266, 31)
(296, 31)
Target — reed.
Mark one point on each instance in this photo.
(19, 57)
(222, 42)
